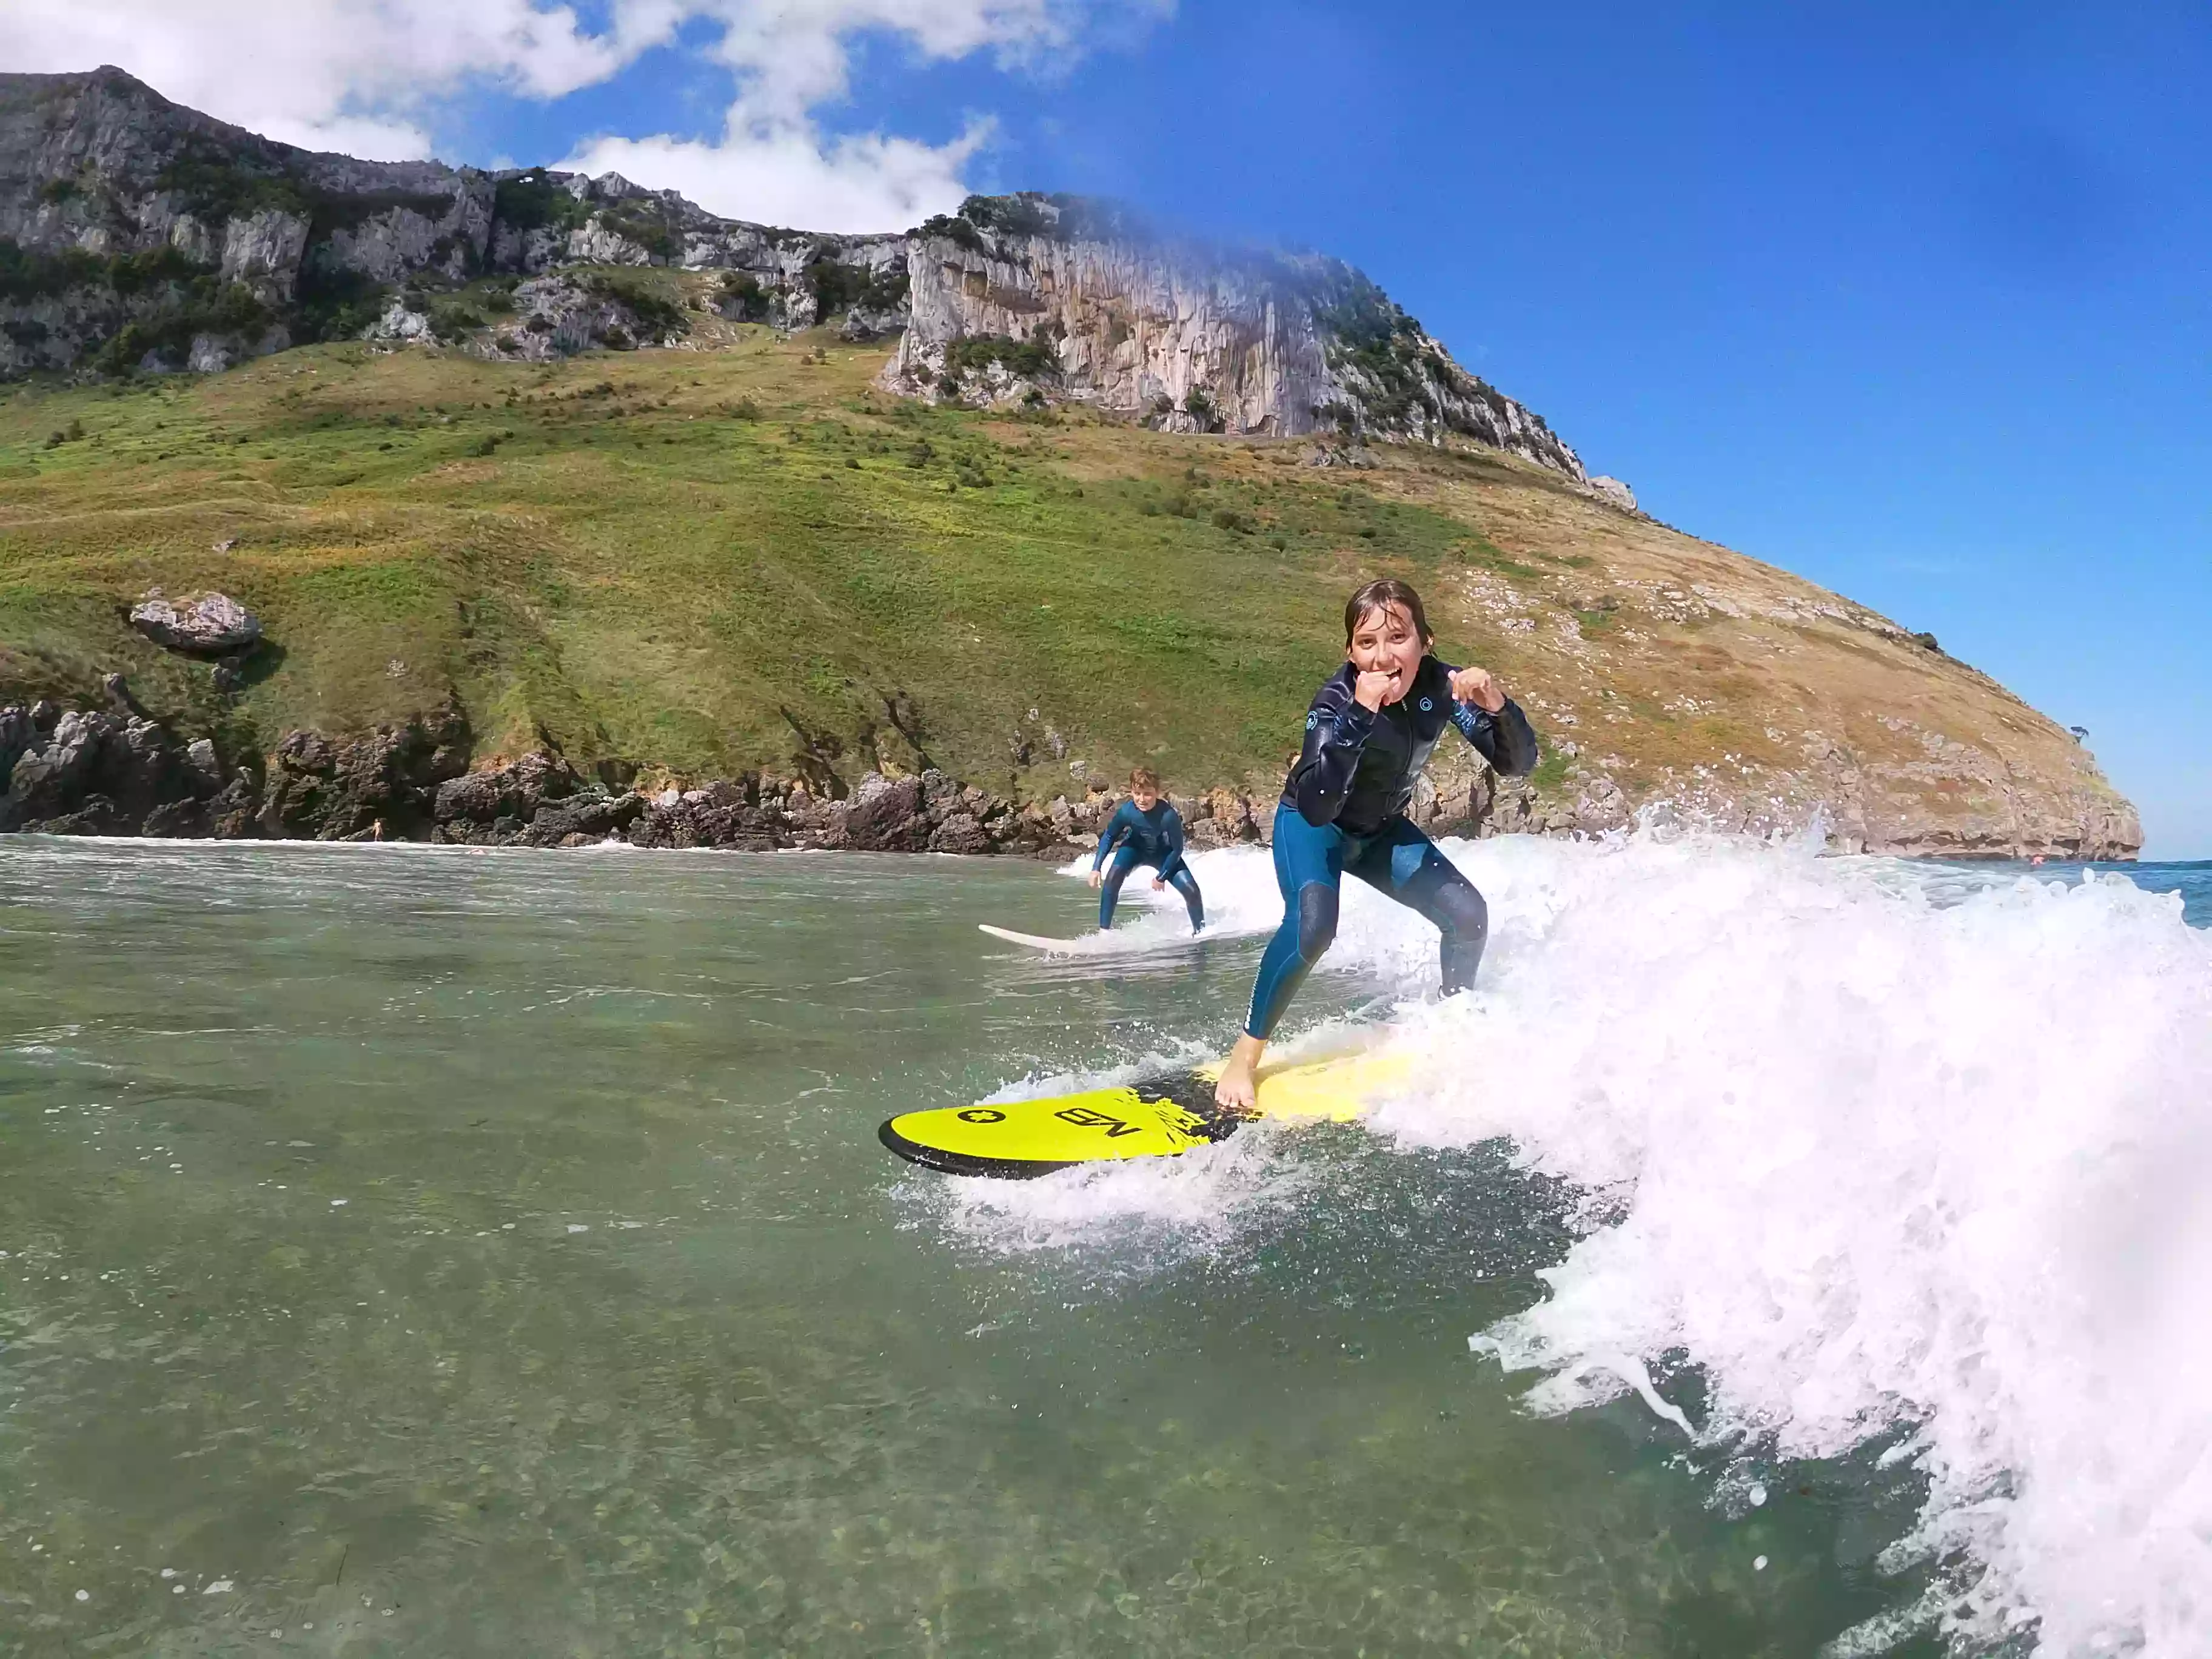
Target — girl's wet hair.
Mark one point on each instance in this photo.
(1379, 595)
(1144, 778)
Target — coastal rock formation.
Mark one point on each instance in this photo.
(382, 785)
(100, 773)
(89, 772)
(139, 236)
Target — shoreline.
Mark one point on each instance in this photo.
(121, 774)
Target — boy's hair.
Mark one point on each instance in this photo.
(1379, 595)
(1144, 777)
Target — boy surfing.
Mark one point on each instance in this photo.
(1144, 830)
(1368, 735)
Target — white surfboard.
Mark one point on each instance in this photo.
(1098, 942)
(1081, 942)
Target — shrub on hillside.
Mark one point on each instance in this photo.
(535, 202)
(657, 315)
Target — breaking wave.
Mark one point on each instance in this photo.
(1890, 1154)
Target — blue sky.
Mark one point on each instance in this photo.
(1913, 300)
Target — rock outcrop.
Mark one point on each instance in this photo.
(137, 235)
(114, 773)
(93, 772)
(538, 802)
(382, 785)
(1026, 296)
(1613, 490)
(207, 624)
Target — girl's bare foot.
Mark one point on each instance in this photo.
(1238, 1088)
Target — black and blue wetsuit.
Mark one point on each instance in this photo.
(1153, 838)
(1343, 809)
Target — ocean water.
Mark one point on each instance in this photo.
(427, 1251)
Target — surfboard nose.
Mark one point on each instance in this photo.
(1021, 1139)
(1165, 1117)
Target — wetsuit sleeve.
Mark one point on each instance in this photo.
(1171, 831)
(1337, 728)
(1117, 830)
(1505, 739)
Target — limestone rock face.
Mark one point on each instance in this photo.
(399, 322)
(123, 209)
(557, 315)
(208, 623)
(1614, 491)
(263, 250)
(1030, 292)
(142, 226)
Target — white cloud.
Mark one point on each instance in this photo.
(364, 76)
(789, 175)
(774, 165)
(349, 74)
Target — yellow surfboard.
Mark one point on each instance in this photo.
(1166, 1118)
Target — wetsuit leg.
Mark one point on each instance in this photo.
(1308, 865)
(1186, 883)
(1405, 864)
(1109, 896)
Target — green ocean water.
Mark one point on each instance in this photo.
(417, 1252)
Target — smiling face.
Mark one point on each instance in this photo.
(1387, 641)
(1145, 797)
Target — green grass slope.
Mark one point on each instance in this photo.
(703, 561)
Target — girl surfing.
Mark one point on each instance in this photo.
(1368, 735)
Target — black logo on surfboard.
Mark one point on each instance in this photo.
(1084, 1117)
(983, 1115)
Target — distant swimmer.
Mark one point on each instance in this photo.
(1144, 830)
(1368, 735)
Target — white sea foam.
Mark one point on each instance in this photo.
(1886, 1152)
(1170, 1207)
(1239, 890)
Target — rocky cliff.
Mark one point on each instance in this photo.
(139, 236)
(1016, 296)
(136, 234)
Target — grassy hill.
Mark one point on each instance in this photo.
(704, 560)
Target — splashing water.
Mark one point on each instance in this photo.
(1889, 1153)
